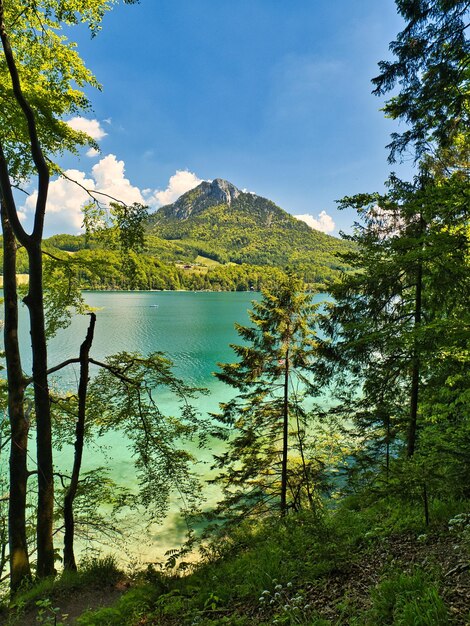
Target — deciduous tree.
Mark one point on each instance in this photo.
(41, 76)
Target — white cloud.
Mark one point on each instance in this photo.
(109, 178)
(108, 181)
(92, 152)
(324, 223)
(64, 202)
(66, 198)
(181, 182)
(90, 127)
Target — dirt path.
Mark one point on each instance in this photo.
(72, 605)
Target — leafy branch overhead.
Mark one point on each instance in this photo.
(432, 71)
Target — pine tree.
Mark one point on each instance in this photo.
(431, 70)
(398, 330)
(265, 419)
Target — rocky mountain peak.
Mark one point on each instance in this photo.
(222, 191)
(200, 198)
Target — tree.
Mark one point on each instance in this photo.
(265, 419)
(432, 69)
(37, 92)
(19, 425)
(397, 324)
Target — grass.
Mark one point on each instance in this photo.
(407, 600)
(357, 566)
(94, 572)
(22, 279)
(203, 260)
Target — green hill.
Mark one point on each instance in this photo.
(213, 237)
(225, 224)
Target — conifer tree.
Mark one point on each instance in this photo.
(274, 362)
(398, 329)
(431, 69)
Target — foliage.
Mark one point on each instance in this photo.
(53, 89)
(303, 562)
(404, 599)
(129, 609)
(123, 397)
(266, 421)
(431, 68)
(62, 294)
(398, 330)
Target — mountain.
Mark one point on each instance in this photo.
(213, 237)
(218, 221)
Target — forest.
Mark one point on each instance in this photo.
(351, 511)
(97, 266)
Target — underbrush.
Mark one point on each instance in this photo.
(302, 570)
(406, 600)
(41, 596)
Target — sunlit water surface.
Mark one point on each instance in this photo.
(195, 330)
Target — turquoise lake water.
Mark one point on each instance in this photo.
(193, 328)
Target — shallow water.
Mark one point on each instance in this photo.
(194, 329)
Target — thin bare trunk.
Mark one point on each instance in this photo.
(387, 444)
(69, 556)
(304, 463)
(285, 436)
(416, 365)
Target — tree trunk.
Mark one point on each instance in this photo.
(387, 444)
(416, 366)
(426, 504)
(34, 302)
(69, 556)
(304, 464)
(285, 436)
(19, 561)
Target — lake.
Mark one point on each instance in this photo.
(193, 328)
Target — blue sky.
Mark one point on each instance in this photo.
(273, 95)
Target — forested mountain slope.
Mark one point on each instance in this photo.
(213, 237)
(228, 225)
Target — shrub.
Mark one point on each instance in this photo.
(407, 600)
